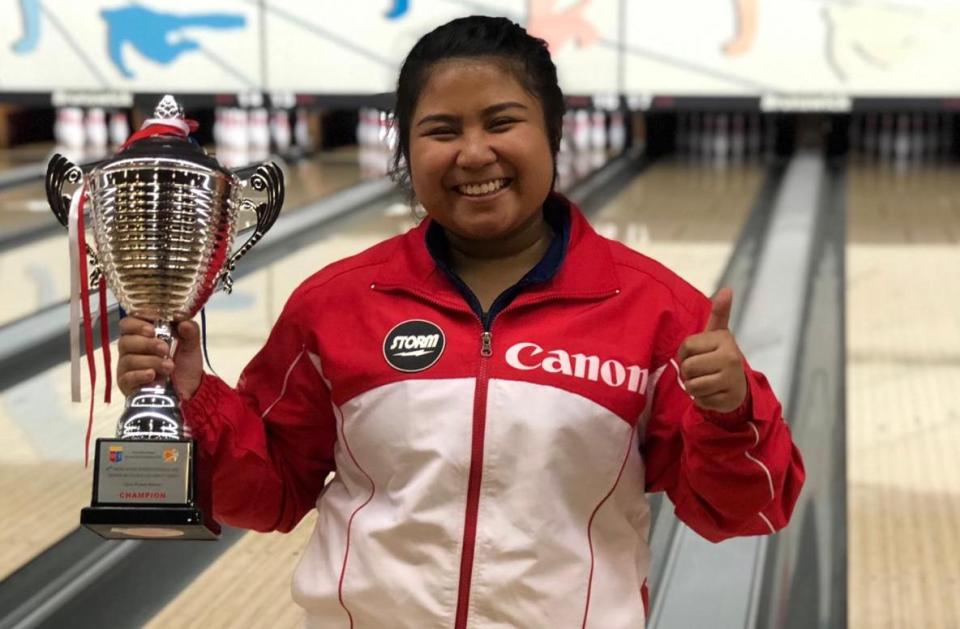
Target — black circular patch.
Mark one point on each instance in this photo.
(413, 345)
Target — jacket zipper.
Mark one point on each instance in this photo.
(476, 463)
(475, 478)
(475, 475)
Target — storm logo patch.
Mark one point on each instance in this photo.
(413, 345)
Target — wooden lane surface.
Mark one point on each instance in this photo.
(903, 412)
(249, 585)
(24, 155)
(37, 274)
(684, 216)
(42, 432)
(24, 206)
(41, 503)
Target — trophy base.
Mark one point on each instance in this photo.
(148, 490)
(173, 523)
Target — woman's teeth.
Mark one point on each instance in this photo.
(481, 189)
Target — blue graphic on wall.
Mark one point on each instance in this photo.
(398, 10)
(155, 35)
(30, 15)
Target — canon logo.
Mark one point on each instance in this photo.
(529, 356)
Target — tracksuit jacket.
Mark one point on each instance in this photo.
(491, 469)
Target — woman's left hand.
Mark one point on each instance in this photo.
(711, 365)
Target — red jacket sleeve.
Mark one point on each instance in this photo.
(728, 475)
(270, 441)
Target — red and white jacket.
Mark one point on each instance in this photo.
(492, 479)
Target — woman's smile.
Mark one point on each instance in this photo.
(483, 190)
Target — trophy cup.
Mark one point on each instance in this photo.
(163, 214)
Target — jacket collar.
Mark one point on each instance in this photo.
(584, 269)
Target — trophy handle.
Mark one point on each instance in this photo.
(61, 170)
(268, 178)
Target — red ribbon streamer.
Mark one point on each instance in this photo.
(87, 326)
(159, 129)
(105, 341)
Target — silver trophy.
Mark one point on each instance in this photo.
(163, 214)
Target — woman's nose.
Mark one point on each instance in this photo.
(475, 151)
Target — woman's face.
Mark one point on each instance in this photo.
(480, 160)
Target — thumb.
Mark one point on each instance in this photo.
(188, 336)
(188, 360)
(720, 313)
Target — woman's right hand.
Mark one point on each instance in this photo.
(143, 357)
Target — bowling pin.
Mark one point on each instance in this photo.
(721, 141)
(618, 132)
(361, 131)
(569, 130)
(95, 128)
(598, 130)
(59, 124)
(301, 131)
(258, 130)
(219, 123)
(581, 133)
(706, 137)
(72, 128)
(738, 138)
(918, 138)
(931, 136)
(119, 128)
(280, 129)
(901, 140)
(695, 131)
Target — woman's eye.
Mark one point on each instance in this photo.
(502, 124)
(441, 132)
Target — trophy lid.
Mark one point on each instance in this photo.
(168, 146)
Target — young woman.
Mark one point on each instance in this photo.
(496, 390)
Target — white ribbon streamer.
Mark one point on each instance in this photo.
(75, 279)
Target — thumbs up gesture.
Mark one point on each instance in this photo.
(711, 365)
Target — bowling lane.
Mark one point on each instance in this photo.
(35, 275)
(903, 413)
(686, 217)
(24, 155)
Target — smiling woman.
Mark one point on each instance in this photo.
(496, 390)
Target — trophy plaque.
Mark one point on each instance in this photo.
(163, 214)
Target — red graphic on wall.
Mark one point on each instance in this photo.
(558, 28)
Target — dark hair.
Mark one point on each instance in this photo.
(497, 38)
